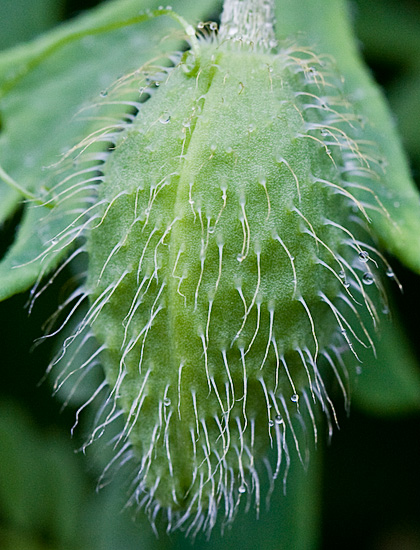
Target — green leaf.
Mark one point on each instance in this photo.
(404, 97)
(389, 32)
(39, 491)
(24, 19)
(44, 85)
(390, 382)
(327, 26)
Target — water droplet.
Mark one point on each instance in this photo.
(294, 398)
(165, 118)
(271, 423)
(358, 370)
(368, 278)
(385, 310)
(279, 419)
(389, 272)
(213, 26)
(342, 275)
(188, 62)
(363, 256)
(104, 93)
(251, 128)
(242, 489)
(200, 25)
(229, 150)
(166, 401)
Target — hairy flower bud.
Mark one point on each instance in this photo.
(227, 272)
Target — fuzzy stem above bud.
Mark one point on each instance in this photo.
(251, 21)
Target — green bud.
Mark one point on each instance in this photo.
(229, 261)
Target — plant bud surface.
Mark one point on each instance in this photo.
(225, 271)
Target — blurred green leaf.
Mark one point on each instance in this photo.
(41, 488)
(38, 116)
(390, 37)
(390, 382)
(327, 26)
(23, 19)
(389, 33)
(404, 96)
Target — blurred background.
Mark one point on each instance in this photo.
(365, 485)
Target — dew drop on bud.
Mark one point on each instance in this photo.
(368, 278)
(165, 118)
(188, 61)
(363, 256)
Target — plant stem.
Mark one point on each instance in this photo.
(251, 21)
